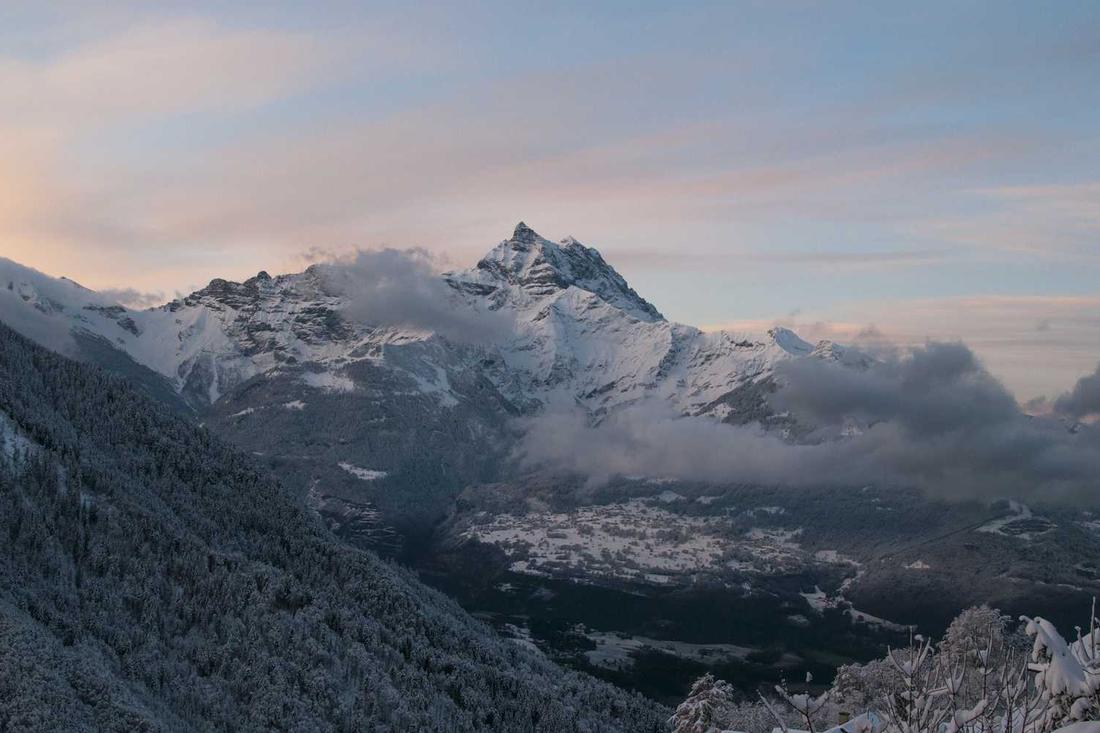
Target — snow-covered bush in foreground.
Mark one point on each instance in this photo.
(710, 706)
(981, 678)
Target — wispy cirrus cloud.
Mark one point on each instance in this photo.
(1057, 221)
(869, 259)
(89, 133)
(156, 69)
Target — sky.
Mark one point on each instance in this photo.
(907, 170)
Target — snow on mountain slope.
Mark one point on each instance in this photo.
(45, 308)
(217, 338)
(527, 267)
(580, 335)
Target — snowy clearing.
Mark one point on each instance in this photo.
(1020, 524)
(614, 651)
(363, 474)
(329, 381)
(640, 542)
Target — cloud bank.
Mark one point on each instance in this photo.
(1083, 401)
(132, 297)
(403, 289)
(932, 418)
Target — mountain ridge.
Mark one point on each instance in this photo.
(578, 332)
(543, 267)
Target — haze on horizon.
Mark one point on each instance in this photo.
(929, 171)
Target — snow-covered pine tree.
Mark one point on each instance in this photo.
(704, 708)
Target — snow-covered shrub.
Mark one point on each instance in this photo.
(809, 711)
(981, 678)
(865, 686)
(705, 708)
(746, 716)
(1067, 676)
(712, 707)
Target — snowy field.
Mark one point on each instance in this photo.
(640, 542)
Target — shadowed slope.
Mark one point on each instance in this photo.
(152, 578)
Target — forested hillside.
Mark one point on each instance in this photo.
(152, 578)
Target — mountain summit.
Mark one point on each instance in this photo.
(544, 268)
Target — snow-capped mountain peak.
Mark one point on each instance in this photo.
(542, 268)
(789, 341)
(571, 330)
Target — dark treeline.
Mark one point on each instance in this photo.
(152, 578)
